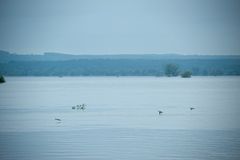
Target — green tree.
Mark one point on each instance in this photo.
(171, 70)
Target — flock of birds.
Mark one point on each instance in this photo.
(160, 112)
(83, 107)
(77, 107)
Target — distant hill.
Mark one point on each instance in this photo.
(59, 64)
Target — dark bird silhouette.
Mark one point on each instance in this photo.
(83, 107)
(58, 119)
(192, 108)
(73, 107)
(160, 112)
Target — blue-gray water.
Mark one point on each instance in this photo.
(121, 119)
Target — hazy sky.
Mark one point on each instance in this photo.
(120, 26)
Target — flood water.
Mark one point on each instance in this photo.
(121, 119)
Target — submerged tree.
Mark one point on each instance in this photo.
(186, 74)
(171, 70)
(2, 80)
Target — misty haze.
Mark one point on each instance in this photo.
(119, 79)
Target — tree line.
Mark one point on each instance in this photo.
(122, 67)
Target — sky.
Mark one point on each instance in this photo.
(120, 26)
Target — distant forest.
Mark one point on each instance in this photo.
(57, 64)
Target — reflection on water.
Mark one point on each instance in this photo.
(121, 119)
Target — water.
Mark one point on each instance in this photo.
(121, 120)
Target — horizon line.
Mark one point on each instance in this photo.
(113, 54)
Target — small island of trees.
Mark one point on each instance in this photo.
(186, 74)
(172, 70)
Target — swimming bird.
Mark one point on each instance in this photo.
(191, 108)
(58, 119)
(160, 112)
(83, 107)
(73, 107)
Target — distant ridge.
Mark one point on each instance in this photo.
(52, 56)
(59, 64)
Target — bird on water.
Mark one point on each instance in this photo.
(58, 119)
(191, 108)
(160, 112)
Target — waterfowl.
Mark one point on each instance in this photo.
(78, 106)
(83, 107)
(191, 108)
(58, 119)
(160, 112)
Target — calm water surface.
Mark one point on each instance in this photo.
(121, 119)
